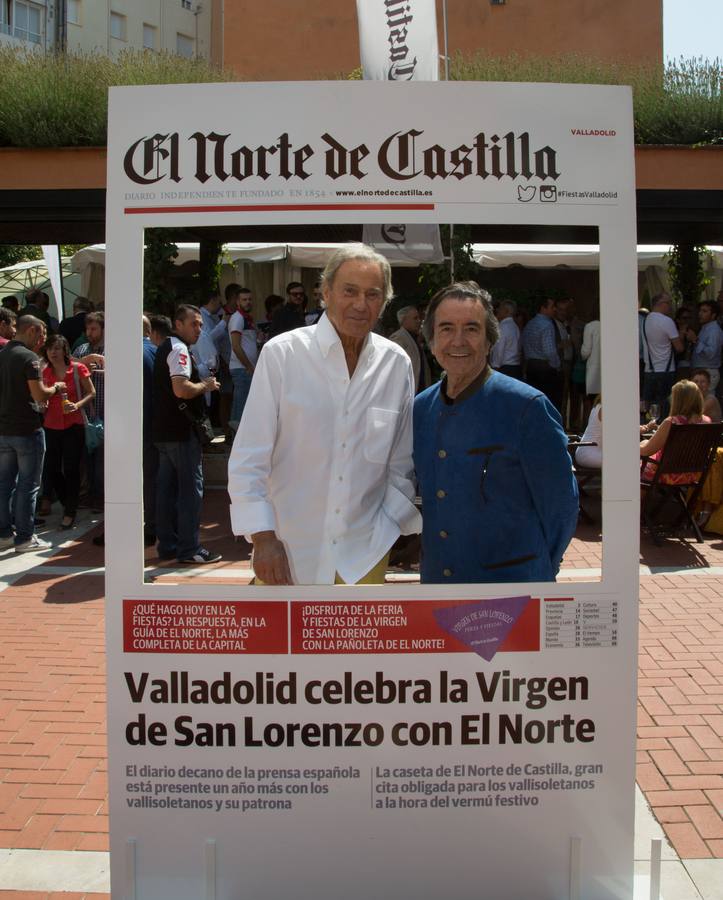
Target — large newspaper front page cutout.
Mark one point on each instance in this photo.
(400, 740)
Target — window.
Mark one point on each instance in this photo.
(498, 2)
(118, 26)
(5, 17)
(28, 22)
(149, 37)
(74, 12)
(186, 4)
(184, 45)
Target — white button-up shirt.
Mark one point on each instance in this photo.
(325, 460)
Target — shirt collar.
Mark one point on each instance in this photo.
(327, 336)
(471, 388)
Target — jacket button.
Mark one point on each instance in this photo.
(441, 454)
(447, 573)
(441, 493)
(443, 534)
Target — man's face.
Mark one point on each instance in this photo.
(355, 298)
(189, 329)
(705, 315)
(296, 296)
(561, 310)
(460, 342)
(7, 329)
(316, 290)
(94, 333)
(39, 335)
(412, 321)
(213, 305)
(703, 383)
(244, 301)
(549, 308)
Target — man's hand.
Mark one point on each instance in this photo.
(210, 384)
(269, 560)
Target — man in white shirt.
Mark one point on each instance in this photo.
(660, 342)
(244, 353)
(505, 355)
(345, 395)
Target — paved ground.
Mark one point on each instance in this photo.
(53, 789)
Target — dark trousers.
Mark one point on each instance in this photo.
(63, 454)
(179, 492)
(150, 471)
(542, 376)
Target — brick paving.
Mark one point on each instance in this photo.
(53, 785)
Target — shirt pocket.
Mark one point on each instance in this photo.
(381, 427)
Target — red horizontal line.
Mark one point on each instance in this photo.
(558, 599)
(273, 207)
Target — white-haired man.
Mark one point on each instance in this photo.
(410, 324)
(343, 396)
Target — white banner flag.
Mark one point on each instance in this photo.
(398, 40)
(51, 252)
(410, 244)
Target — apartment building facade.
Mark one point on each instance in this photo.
(183, 27)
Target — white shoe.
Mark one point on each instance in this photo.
(7, 542)
(33, 545)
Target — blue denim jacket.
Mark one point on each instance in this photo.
(499, 498)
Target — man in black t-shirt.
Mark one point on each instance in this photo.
(177, 399)
(291, 314)
(22, 440)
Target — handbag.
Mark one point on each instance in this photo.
(201, 425)
(93, 428)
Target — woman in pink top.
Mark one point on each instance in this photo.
(64, 426)
(686, 408)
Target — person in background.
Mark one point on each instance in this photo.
(177, 400)
(708, 342)
(37, 304)
(543, 368)
(711, 404)
(92, 355)
(683, 320)
(291, 314)
(8, 321)
(11, 303)
(150, 453)
(263, 328)
(591, 457)
(661, 341)
(244, 353)
(313, 315)
(686, 408)
(590, 354)
(64, 426)
(506, 355)
(73, 327)
(23, 396)
(408, 338)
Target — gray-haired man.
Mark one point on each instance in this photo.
(407, 337)
(342, 396)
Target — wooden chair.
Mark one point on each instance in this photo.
(685, 459)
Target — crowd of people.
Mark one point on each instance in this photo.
(51, 397)
(512, 390)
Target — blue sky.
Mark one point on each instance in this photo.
(693, 28)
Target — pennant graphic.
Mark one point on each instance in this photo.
(482, 625)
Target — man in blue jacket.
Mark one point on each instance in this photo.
(499, 498)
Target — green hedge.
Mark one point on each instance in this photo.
(680, 104)
(61, 100)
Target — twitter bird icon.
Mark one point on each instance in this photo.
(525, 194)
